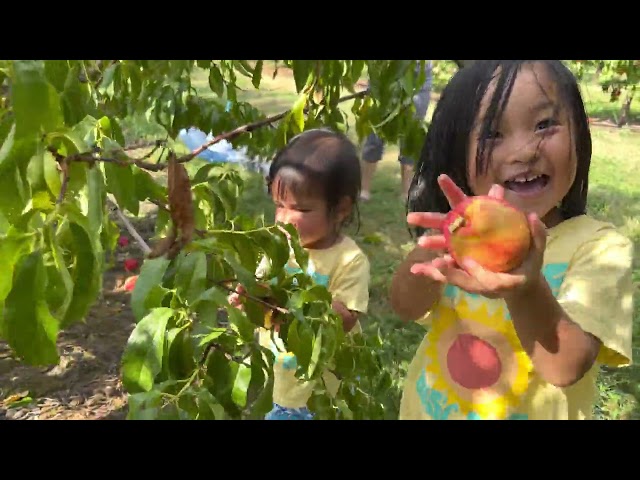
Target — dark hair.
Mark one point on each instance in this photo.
(446, 146)
(322, 160)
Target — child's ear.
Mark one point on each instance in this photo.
(345, 206)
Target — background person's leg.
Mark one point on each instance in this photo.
(421, 103)
(372, 151)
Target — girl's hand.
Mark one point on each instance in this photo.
(472, 277)
(235, 299)
(239, 297)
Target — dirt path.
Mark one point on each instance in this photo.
(86, 382)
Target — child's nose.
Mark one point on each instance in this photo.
(523, 149)
(283, 216)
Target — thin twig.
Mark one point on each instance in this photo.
(64, 166)
(278, 309)
(134, 233)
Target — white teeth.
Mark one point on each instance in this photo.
(525, 178)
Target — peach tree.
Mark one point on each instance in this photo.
(615, 77)
(64, 163)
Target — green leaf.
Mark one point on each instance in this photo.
(142, 358)
(257, 74)
(82, 134)
(12, 193)
(97, 197)
(7, 145)
(263, 402)
(107, 77)
(151, 274)
(87, 273)
(156, 297)
(305, 346)
(29, 327)
(64, 281)
(120, 182)
(242, 245)
(301, 254)
(315, 354)
(222, 373)
(357, 67)
(240, 385)
(246, 329)
(56, 72)
(51, 173)
(297, 112)
(213, 294)
(344, 409)
(14, 188)
(301, 70)
(216, 82)
(35, 101)
(191, 276)
(12, 246)
(75, 97)
(275, 244)
(208, 407)
(180, 359)
(146, 187)
(211, 336)
(35, 171)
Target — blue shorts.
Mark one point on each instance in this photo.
(283, 413)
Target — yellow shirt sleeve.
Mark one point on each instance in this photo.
(597, 294)
(351, 284)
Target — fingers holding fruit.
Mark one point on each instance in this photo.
(491, 247)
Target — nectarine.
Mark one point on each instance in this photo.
(488, 230)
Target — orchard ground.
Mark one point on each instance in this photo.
(85, 384)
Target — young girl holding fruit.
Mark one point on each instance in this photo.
(315, 184)
(517, 324)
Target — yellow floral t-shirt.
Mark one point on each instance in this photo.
(344, 270)
(471, 365)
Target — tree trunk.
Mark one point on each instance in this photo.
(625, 111)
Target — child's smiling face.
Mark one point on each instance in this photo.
(533, 156)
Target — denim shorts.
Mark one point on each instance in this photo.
(282, 413)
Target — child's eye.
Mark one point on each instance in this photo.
(544, 124)
(493, 135)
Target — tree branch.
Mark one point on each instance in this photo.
(110, 155)
(134, 233)
(64, 167)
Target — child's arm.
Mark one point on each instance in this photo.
(349, 317)
(350, 291)
(560, 350)
(412, 296)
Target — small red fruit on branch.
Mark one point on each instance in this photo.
(130, 283)
(131, 264)
(123, 241)
(488, 230)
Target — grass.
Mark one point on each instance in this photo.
(614, 196)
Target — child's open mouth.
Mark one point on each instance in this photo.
(527, 184)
